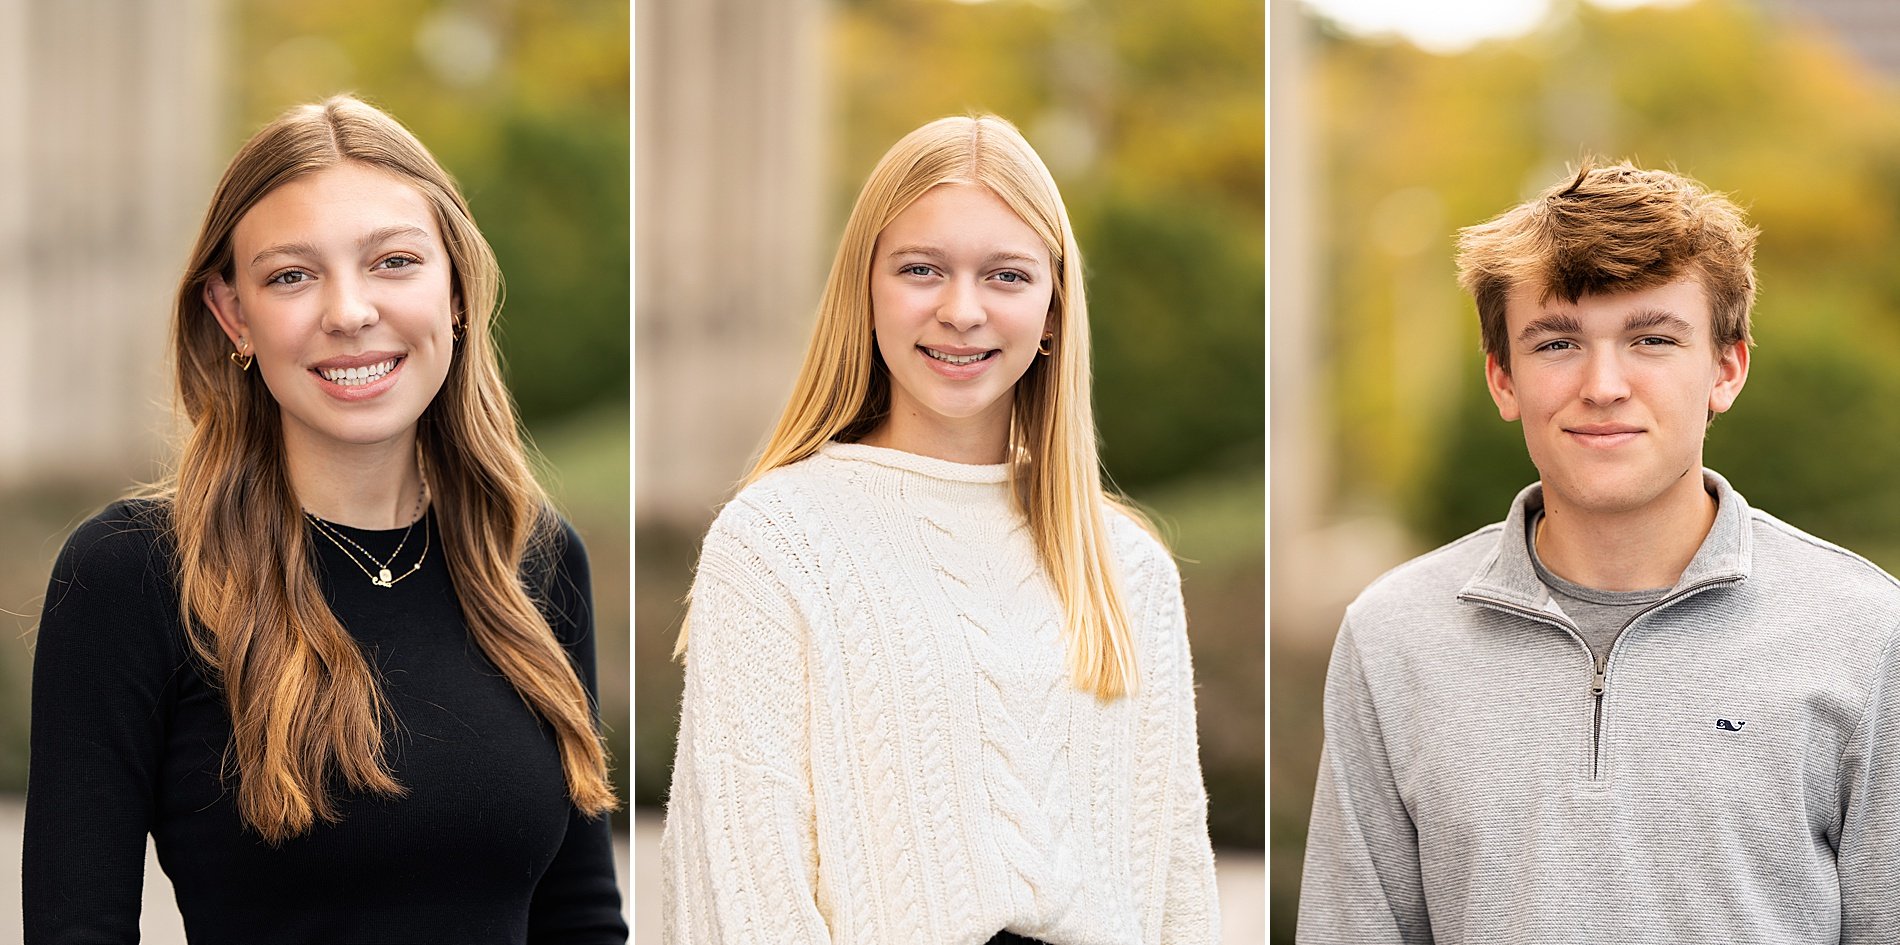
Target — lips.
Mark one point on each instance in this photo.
(955, 355)
(358, 376)
(1603, 435)
(957, 362)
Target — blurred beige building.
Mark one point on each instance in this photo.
(1871, 28)
(109, 119)
(729, 131)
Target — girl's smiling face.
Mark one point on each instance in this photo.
(960, 298)
(343, 290)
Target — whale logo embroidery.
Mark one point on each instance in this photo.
(1729, 726)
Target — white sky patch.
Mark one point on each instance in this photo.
(1446, 26)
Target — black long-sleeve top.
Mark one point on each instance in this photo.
(128, 738)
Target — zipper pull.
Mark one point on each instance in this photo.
(1596, 684)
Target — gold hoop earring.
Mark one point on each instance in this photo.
(242, 357)
(1047, 346)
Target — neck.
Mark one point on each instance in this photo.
(1627, 550)
(975, 441)
(370, 486)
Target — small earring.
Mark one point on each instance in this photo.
(242, 356)
(1048, 345)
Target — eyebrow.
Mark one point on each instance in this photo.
(934, 253)
(1658, 318)
(372, 238)
(1553, 324)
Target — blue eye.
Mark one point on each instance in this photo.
(1012, 277)
(916, 269)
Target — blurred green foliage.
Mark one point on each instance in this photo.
(526, 104)
(1413, 145)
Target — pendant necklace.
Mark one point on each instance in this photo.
(381, 577)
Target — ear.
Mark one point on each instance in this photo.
(223, 302)
(1731, 372)
(1497, 378)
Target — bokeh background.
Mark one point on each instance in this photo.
(757, 121)
(115, 121)
(1389, 133)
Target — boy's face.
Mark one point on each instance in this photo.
(1615, 392)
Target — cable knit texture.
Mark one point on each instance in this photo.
(879, 741)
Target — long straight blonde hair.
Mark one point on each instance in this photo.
(304, 702)
(843, 391)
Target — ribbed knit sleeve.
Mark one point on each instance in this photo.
(1362, 881)
(577, 901)
(106, 656)
(1869, 851)
(739, 854)
(1188, 904)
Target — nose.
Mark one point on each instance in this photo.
(961, 308)
(347, 307)
(1604, 379)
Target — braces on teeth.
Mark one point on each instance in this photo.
(358, 376)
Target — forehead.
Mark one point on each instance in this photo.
(1683, 298)
(339, 203)
(961, 217)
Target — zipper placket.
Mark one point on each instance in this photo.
(1599, 669)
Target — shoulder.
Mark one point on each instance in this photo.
(127, 546)
(1416, 593)
(1783, 555)
(1144, 561)
(114, 586)
(788, 496)
(776, 518)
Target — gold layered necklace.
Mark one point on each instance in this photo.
(382, 576)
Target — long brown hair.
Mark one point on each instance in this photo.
(305, 704)
(843, 389)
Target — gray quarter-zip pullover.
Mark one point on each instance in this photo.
(1732, 776)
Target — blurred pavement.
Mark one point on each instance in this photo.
(158, 923)
(1242, 878)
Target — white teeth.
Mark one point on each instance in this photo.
(955, 358)
(358, 376)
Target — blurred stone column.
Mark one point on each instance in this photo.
(110, 119)
(728, 200)
(1296, 358)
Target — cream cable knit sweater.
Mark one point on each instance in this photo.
(879, 743)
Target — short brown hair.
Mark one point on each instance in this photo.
(1612, 229)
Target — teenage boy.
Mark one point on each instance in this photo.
(1638, 710)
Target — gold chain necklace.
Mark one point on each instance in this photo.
(382, 577)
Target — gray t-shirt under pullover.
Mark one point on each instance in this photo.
(1599, 615)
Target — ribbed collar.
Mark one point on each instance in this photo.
(928, 466)
(1508, 575)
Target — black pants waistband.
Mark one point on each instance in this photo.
(1010, 938)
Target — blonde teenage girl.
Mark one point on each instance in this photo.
(937, 679)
